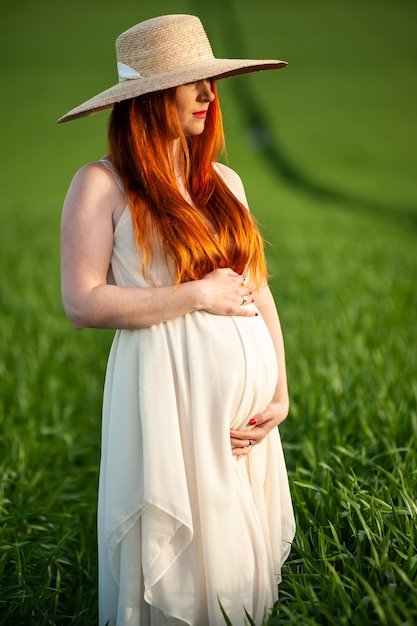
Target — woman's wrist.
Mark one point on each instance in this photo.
(193, 295)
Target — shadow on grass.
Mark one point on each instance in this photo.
(262, 135)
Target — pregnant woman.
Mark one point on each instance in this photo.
(195, 513)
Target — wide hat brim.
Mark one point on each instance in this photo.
(213, 69)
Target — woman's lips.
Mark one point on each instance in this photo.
(200, 114)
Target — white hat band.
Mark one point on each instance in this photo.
(126, 72)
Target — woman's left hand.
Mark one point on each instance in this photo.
(242, 441)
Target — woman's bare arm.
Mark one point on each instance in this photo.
(87, 228)
(277, 410)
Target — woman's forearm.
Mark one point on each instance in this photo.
(111, 306)
(96, 305)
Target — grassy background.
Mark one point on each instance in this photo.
(327, 150)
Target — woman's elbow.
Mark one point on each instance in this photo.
(74, 316)
(76, 312)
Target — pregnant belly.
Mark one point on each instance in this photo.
(229, 362)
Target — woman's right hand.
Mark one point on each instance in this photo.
(223, 292)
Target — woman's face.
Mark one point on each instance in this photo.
(192, 101)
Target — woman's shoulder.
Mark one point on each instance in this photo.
(94, 191)
(96, 170)
(232, 180)
(98, 177)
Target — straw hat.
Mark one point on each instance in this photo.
(164, 52)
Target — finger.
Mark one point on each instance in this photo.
(246, 298)
(240, 453)
(242, 311)
(238, 444)
(248, 433)
(243, 435)
(241, 444)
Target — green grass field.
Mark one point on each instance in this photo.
(327, 150)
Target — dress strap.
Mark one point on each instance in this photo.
(109, 165)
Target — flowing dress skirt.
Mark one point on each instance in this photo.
(182, 525)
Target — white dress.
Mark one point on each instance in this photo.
(182, 525)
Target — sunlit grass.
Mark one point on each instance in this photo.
(350, 439)
(343, 273)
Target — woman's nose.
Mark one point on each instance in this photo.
(206, 94)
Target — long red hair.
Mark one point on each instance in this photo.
(222, 233)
